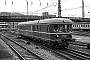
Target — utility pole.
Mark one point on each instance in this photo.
(12, 13)
(59, 8)
(27, 10)
(83, 15)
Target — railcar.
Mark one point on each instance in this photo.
(3, 26)
(81, 26)
(53, 32)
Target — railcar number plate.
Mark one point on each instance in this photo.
(64, 35)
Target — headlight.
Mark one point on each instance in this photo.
(57, 30)
(57, 36)
(54, 30)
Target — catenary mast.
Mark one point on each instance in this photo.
(59, 8)
(83, 15)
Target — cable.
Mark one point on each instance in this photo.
(55, 6)
(43, 8)
(65, 1)
(46, 7)
(73, 8)
(53, 3)
(57, 3)
(87, 6)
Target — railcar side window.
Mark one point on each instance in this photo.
(47, 28)
(34, 28)
(67, 28)
(37, 28)
(31, 27)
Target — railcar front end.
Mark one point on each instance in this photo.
(61, 34)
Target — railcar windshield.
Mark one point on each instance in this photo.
(62, 27)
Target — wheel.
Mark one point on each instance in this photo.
(28, 43)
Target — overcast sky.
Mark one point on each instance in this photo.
(69, 7)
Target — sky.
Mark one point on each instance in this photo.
(36, 7)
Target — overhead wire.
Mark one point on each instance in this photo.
(65, 1)
(55, 6)
(73, 8)
(43, 8)
(87, 6)
(48, 6)
(53, 3)
(76, 8)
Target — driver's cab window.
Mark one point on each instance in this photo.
(58, 28)
(62, 27)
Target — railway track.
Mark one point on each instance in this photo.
(81, 33)
(22, 52)
(70, 54)
(80, 44)
(42, 56)
(77, 54)
(82, 54)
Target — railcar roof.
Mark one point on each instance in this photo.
(3, 24)
(48, 21)
(55, 20)
(28, 22)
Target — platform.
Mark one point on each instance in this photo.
(5, 52)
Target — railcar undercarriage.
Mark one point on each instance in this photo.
(47, 42)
